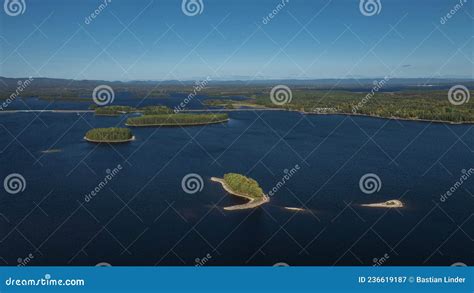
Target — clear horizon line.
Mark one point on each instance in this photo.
(470, 78)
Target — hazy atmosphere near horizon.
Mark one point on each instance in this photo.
(236, 133)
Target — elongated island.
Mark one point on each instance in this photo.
(109, 135)
(394, 203)
(119, 110)
(242, 186)
(179, 119)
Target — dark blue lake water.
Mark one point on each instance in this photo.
(143, 217)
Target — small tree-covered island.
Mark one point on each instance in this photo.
(242, 186)
(177, 119)
(109, 135)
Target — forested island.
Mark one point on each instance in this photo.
(245, 187)
(177, 119)
(119, 110)
(109, 135)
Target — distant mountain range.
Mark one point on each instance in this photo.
(49, 83)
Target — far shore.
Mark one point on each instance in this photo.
(244, 109)
(109, 141)
(392, 118)
(46, 111)
(253, 203)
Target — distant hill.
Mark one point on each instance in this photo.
(48, 83)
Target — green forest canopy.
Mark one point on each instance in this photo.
(109, 134)
(176, 119)
(242, 184)
(117, 110)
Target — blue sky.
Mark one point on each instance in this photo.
(155, 40)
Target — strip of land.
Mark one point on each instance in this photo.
(46, 111)
(388, 204)
(253, 203)
(294, 209)
(177, 125)
(110, 141)
(51, 151)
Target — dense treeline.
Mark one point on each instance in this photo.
(109, 134)
(117, 110)
(154, 110)
(176, 119)
(429, 105)
(113, 110)
(244, 185)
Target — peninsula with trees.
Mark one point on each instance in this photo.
(244, 187)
